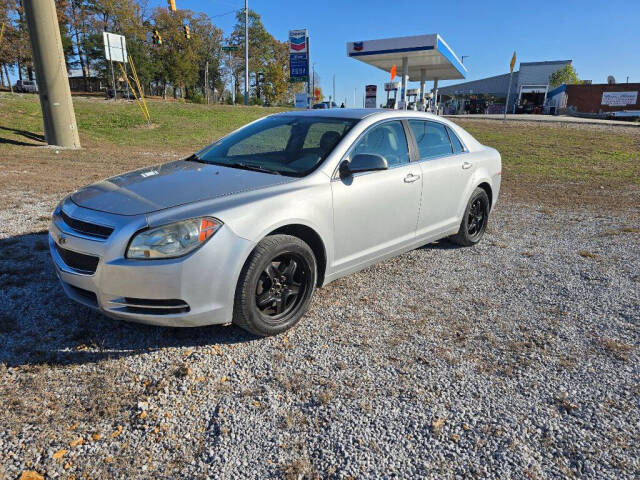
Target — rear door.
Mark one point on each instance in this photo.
(446, 170)
(376, 212)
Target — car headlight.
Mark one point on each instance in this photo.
(173, 240)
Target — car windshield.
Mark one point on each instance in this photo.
(283, 144)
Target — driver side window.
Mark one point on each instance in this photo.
(388, 140)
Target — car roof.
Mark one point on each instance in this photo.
(360, 113)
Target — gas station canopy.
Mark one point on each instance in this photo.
(425, 54)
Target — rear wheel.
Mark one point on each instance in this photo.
(275, 286)
(474, 221)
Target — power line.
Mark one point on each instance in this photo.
(227, 13)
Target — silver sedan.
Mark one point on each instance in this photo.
(244, 230)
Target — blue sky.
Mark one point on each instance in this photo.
(602, 37)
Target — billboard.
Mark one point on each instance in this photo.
(298, 55)
(370, 97)
(619, 99)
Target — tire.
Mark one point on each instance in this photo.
(474, 221)
(266, 302)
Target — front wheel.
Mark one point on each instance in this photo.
(275, 285)
(474, 220)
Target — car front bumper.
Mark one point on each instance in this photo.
(194, 290)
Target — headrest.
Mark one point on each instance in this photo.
(329, 140)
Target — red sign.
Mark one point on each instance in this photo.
(316, 93)
(393, 72)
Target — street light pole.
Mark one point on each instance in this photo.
(246, 52)
(53, 82)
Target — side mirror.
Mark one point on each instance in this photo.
(363, 162)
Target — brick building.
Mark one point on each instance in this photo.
(596, 98)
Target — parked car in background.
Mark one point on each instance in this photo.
(26, 86)
(323, 105)
(244, 230)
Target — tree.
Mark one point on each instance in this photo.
(565, 75)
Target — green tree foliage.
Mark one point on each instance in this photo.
(177, 66)
(565, 75)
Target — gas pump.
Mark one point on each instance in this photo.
(392, 94)
(424, 104)
(412, 98)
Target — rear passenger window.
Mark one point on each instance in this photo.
(455, 141)
(432, 139)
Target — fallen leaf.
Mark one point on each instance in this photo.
(108, 459)
(76, 442)
(223, 379)
(143, 414)
(31, 475)
(455, 437)
(256, 403)
(465, 426)
(60, 453)
(73, 427)
(67, 465)
(117, 432)
(95, 437)
(437, 424)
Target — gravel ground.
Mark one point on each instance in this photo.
(517, 358)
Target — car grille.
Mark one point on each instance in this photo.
(86, 228)
(78, 261)
(151, 307)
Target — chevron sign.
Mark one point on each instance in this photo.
(298, 41)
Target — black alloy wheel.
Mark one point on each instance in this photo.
(275, 286)
(474, 221)
(282, 285)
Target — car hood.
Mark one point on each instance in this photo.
(169, 185)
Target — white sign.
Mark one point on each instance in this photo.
(370, 97)
(619, 99)
(301, 100)
(115, 47)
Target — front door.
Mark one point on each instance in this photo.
(376, 212)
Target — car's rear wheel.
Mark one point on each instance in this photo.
(275, 285)
(474, 221)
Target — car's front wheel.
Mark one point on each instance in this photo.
(474, 221)
(275, 285)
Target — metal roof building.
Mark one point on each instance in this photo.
(531, 81)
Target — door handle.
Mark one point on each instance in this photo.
(410, 178)
(466, 165)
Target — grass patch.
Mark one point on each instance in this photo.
(551, 165)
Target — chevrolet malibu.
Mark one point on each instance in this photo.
(244, 230)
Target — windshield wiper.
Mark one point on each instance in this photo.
(255, 168)
(194, 158)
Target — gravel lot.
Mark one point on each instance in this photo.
(517, 358)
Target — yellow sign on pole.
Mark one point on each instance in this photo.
(513, 61)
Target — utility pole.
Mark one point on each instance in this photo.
(334, 88)
(53, 82)
(313, 83)
(206, 82)
(246, 52)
